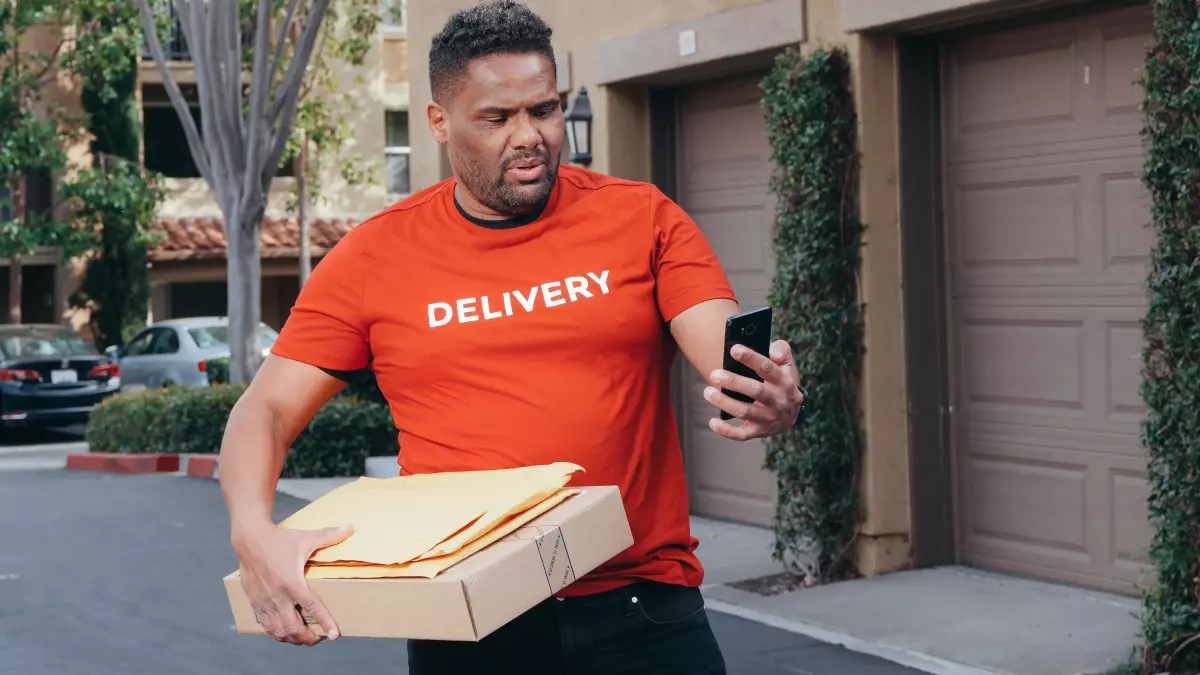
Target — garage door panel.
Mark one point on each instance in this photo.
(1048, 525)
(1058, 227)
(1048, 246)
(1028, 502)
(1015, 92)
(1128, 238)
(1124, 50)
(1028, 364)
(1020, 222)
(994, 81)
(1131, 538)
(723, 167)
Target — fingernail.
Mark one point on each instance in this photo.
(712, 424)
(718, 376)
(333, 635)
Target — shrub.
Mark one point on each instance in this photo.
(342, 434)
(340, 438)
(811, 127)
(1170, 374)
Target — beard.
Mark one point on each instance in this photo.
(494, 191)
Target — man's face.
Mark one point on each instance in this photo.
(503, 129)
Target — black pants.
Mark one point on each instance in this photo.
(644, 629)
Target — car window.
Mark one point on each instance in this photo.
(41, 343)
(141, 344)
(218, 336)
(166, 342)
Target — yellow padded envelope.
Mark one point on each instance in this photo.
(398, 520)
(430, 567)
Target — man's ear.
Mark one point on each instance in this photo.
(437, 121)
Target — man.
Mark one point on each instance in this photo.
(518, 313)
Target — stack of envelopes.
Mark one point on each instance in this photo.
(418, 526)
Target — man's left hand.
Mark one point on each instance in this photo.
(777, 399)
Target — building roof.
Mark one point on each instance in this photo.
(204, 237)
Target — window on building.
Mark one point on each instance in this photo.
(166, 146)
(395, 14)
(397, 153)
(167, 150)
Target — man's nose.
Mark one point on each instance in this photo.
(526, 134)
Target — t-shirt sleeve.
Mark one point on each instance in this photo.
(686, 268)
(326, 327)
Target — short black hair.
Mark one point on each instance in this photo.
(490, 27)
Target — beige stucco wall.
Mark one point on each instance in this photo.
(622, 147)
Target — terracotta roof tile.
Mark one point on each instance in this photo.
(204, 237)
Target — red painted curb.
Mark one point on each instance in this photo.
(199, 466)
(123, 463)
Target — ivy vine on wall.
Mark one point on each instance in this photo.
(1171, 355)
(811, 126)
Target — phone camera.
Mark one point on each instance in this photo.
(749, 330)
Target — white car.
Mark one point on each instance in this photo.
(176, 350)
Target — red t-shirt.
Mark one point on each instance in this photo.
(531, 344)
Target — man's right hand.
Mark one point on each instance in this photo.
(272, 562)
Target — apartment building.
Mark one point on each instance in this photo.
(188, 268)
(1005, 250)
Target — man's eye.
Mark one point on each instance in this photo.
(495, 120)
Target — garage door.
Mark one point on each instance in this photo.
(1048, 248)
(723, 168)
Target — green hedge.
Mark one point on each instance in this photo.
(343, 433)
(812, 129)
(1171, 356)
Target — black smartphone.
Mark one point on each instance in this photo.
(751, 329)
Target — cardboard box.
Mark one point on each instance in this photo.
(483, 592)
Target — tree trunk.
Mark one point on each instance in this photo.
(14, 263)
(14, 289)
(302, 214)
(244, 293)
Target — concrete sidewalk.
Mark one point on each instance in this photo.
(948, 621)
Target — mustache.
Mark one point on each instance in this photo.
(544, 156)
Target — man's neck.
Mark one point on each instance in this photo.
(471, 209)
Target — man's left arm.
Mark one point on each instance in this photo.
(700, 333)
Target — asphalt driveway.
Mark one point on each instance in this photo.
(103, 573)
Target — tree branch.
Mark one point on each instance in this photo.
(223, 58)
(198, 33)
(199, 155)
(51, 61)
(318, 54)
(281, 38)
(290, 86)
(260, 84)
(236, 90)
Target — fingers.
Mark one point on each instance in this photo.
(313, 610)
(767, 369)
(739, 409)
(781, 353)
(743, 432)
(330, 536)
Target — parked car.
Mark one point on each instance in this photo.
(50, 377)
(176, 351)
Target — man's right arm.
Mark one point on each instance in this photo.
(275, 408)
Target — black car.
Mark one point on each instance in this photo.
(50, 376)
